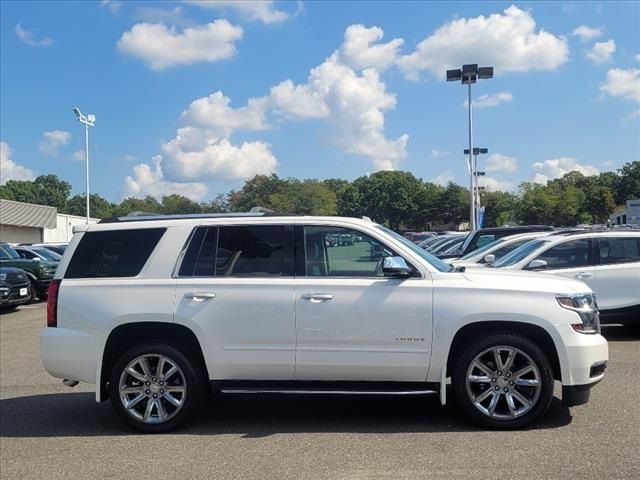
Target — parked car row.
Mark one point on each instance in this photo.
(26, 272)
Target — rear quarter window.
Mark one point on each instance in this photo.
(116, 253)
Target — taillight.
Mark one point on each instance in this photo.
(52, 303)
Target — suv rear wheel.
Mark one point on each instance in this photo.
(503, 381)
(154, 387)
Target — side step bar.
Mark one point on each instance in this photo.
(325, 388)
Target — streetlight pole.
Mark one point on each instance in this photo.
(469, 74)
(475, 174)
(88, 121)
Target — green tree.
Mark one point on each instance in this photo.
(131, 205)
(500, 207)
(178, 204)
(536, 205)
(627, 186)
(44, 190)
(256, 192)
(309, 197)
(98, 206)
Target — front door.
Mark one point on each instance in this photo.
(352, 323)
(571, 259)
(235, 288)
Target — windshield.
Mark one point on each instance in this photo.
(7, 252)
(47, 254)
(482, 250)
(519, 253)
(435, 262)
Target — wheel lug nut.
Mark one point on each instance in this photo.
(161, 383)
(497, 388)
(146, 383)
(155, 395)
(510, 383)
(161, 391)
(153, 379)
(493, 379)
(499, 372)
(506, 389)
(148, 392)
(509, 375)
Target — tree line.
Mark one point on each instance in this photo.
(395, 198)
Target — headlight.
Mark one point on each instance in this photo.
(584, 304)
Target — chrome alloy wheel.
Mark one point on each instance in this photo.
(503, 382)
(152, 388)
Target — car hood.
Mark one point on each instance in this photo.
(528, 281)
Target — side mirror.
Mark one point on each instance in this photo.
(36, 259)
(396, 267)
(537, 265)
(489, 258)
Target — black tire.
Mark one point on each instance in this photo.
(462, 395)
(193, 379)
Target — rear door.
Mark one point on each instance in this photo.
(573, 258)
(235, 287)
(617, 282)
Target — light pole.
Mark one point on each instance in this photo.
(470, 74)
(476, 190)
(89, 121)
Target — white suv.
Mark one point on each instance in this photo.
(608, 262)
(158, 311)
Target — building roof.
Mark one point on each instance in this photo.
(27, 214)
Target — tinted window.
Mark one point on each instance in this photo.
(619, 250)
(519, 253)
(572, 254)
(359, 256)
(7, 252)
(252, 250)
(502, 251)
(199, 259)
(119, 253)
(193, 250)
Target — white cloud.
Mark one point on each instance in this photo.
(507, 41)
(493, 100)
(501, 163)
(161, 47)
(78, 156)
(362, 50)
(556, 168)
(53, 140)
(253, 10)
(637, 57)
(174, 16)
(129, 158)
(608, 163)
(114, 6)
(439, 153)
(444, 178)
(588, 33)
(27, 37)
(493, 185)
(10, 170)
(298, 101)
(601, 52)
(150, 181)
(191, 156)
(214, 114)
(622, 83)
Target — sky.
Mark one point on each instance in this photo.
(196, 97)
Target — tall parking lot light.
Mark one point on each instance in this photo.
(476, 189)
(89, 121)
(469, 74)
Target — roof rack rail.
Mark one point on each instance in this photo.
(189, 216)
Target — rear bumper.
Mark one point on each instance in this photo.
(72, 354)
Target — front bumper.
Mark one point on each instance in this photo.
(10, 294)
(574, 395)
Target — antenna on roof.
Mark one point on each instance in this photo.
(259, 209)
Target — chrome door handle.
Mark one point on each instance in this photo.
(583, 275)
(200, 295)
(317, 297)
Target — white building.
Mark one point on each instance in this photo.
(627, 216)
(29, 223)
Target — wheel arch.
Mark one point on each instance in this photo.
(127, 335)
(536, 333)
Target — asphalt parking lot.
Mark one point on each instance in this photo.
(50, 431)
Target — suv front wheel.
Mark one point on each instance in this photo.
(503, 381)
(154, 387)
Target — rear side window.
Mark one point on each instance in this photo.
(619, 250)
(571, 254)
(117, 253)
(238, 251)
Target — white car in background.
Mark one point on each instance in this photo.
(608, 262)
(496, 250)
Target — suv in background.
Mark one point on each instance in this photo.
(609, 262)
(15, 288)
(159, 311)
(480, 238)
(40, 272)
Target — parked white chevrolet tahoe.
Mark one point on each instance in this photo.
(158, 311)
